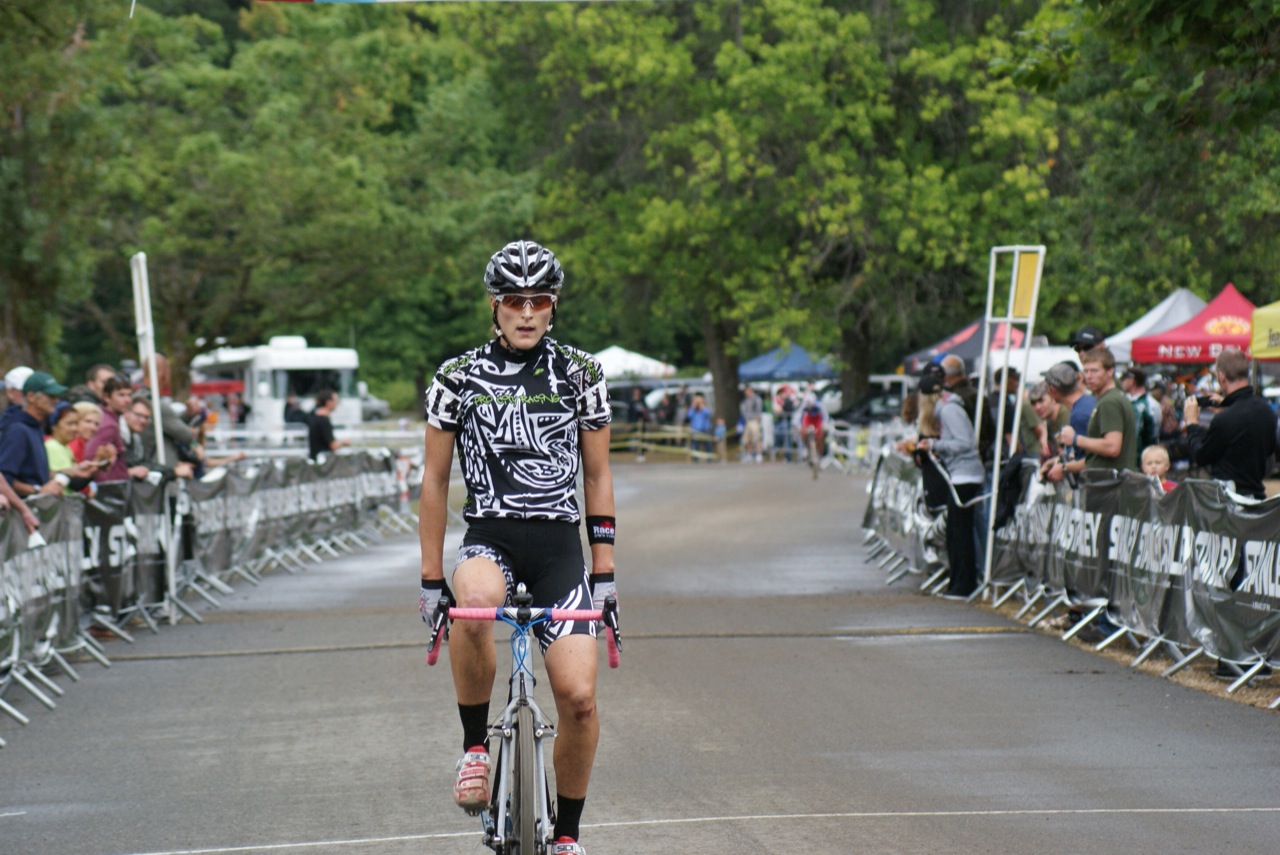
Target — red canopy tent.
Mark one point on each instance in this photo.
(1225, 322)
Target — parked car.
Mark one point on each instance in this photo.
(878, 406)
(372, 408)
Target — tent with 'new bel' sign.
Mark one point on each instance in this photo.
(1266, 332)
(1225, 322)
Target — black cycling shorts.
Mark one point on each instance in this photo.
(544, 555)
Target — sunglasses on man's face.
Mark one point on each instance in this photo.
(537, 302)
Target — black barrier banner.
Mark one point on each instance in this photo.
(111, 549)
(1230, 554)
(38, 579)
(1146, 587)
(108, 549)
(146, 524)
(210, 528)
(899, 516)
(1194, 566)
(1007, 561)
(1078, 538)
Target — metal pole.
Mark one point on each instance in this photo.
(147, 356)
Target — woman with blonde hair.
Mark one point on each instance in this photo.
(942, 415)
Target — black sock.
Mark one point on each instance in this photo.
(568, 815)
(475, 725)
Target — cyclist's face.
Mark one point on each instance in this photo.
(524, 318)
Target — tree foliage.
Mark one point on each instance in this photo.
(718, 177)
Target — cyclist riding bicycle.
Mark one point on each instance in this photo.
(812, 417)
(524, 411)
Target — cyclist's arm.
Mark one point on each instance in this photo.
(433, 507)
(597, 490)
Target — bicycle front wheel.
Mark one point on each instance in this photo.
(524, 795)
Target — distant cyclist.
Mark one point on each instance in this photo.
(812, 418)
(524, 412)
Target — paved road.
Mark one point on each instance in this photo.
(775, 697)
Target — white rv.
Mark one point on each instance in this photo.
(266, 374)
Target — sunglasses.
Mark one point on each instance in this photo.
(537, 302)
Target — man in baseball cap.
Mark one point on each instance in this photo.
(1087, 338)
(13, 391)
(43, 383)
(23, 460)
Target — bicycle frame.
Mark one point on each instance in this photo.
(504, 832)
(497, 821)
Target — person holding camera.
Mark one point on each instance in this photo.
(1241, 438)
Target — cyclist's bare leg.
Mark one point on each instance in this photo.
(571, 667)
(477, 583)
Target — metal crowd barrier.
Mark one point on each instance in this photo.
(1192, 573)
(135, 552)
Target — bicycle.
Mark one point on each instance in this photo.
(520, 819)
(810, 434)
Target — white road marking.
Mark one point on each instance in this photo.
(934, 814)
(13, 813)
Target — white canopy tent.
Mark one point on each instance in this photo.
(1174, 310)
(622, 364)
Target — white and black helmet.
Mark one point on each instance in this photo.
(523, 264)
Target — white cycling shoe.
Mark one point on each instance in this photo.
(471, 790)
(567, 846)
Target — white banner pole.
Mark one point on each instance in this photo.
(147, 356)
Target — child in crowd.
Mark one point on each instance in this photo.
(1155, 463)
(720, 435)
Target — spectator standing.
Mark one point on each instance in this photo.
(139, 455)
(1066, 387)
(91, 390)
(637, 411)
(293, 413)
(958, 383)
(1087, 338)
(15, 400)
(1155, 464)
(320, 437)
(1052, 416)
(90, 419)
(785, 407)
(1241, 438)
(23, 459)
(752, 411)
(1170, 423)
(1111, 437)
(65, 425)
(943, 414)
(1026, 440)
(238, 410)
(700, 424)
(1146, 411)
(117, 395)
(179, 438)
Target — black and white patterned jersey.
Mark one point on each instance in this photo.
(517, 417)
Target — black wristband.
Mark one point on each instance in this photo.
(601, 579)
(601, 530)
(433, 584)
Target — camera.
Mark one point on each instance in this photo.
(1205, 401)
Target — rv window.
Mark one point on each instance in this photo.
(305, 383)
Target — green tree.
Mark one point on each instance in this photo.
(48, 165)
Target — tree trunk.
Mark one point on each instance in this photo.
(855, 352)
(724, 368)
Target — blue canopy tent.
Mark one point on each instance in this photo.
(790, 362)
